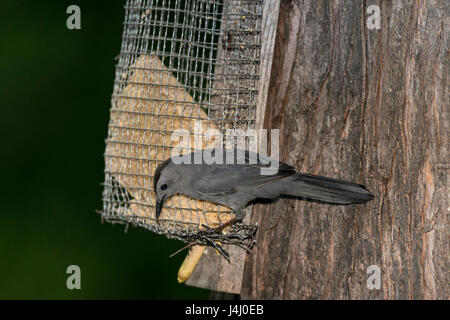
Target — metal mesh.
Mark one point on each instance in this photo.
(189, 65)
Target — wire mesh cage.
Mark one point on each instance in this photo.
(184, 65)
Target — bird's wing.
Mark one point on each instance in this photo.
(247, 182)
(220, 180)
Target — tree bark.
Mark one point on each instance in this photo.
(370, 106)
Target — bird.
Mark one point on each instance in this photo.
(234, 178)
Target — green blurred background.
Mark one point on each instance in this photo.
(55, 90)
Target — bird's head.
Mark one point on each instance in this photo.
(165, 183)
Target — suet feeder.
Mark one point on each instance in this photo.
(184, 66)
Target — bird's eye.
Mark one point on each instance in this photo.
(163, 187)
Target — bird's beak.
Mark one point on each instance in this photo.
(159, 205)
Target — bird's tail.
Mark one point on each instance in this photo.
(327, 189)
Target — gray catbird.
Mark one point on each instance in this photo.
(237, 182)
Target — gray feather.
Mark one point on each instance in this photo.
(235, 185)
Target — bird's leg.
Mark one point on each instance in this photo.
(239, 215)
(221, 227)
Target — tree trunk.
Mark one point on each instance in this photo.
(369, 106)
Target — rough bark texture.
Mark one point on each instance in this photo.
(369, 106)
